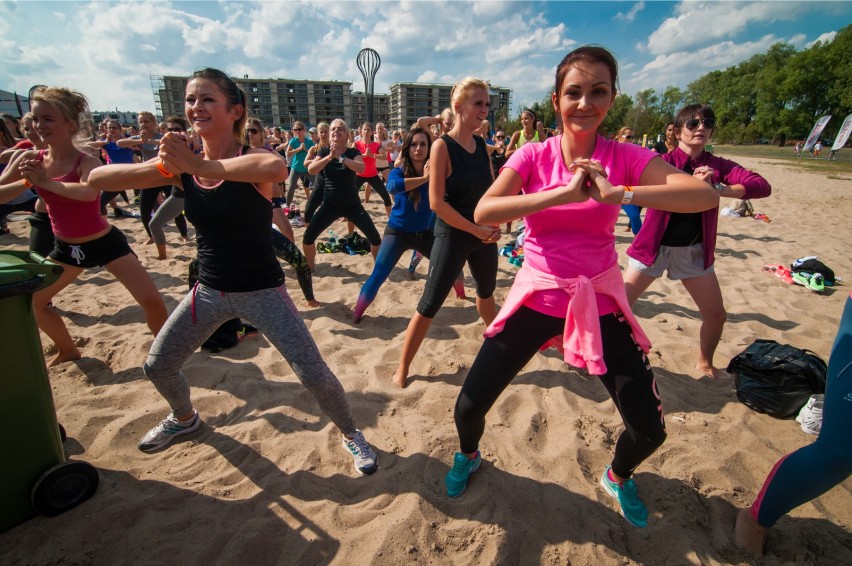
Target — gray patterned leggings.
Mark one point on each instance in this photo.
(204, 309)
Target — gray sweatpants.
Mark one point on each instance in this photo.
(170, 208)
(204, 309)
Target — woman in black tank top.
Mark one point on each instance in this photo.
(460, 173)
(228, 196)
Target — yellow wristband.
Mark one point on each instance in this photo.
(628, 195)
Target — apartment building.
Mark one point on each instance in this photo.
(410, 101)
(277, 102)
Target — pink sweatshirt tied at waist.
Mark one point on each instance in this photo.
(581, 343)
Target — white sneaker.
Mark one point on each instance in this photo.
(365, 458)
(169, 428)
(810, 417)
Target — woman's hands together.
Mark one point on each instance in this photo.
(177, 155)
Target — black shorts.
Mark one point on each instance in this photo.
(105, 249)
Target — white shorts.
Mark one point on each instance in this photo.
(686, 262)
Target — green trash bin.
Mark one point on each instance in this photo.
(36, 478)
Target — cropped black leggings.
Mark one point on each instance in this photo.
(378, 186)
(328, 213)
(452, 248)
(629, 381)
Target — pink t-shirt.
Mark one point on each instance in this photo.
(578, 238)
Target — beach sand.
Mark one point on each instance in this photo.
(265, 480)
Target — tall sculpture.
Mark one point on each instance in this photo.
(368, 63)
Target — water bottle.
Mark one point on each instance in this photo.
(332, 239)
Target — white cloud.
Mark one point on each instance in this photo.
(630, 15)
(682, 67)
(827, 37)
(697, 24)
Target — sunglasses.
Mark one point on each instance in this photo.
(709, 123)
(298, 129)
(175, 129)
(499, 137)
(252, 131)
(627, 136)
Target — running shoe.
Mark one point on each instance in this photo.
(169, 428)
(365, 458)
(463, 467)
(810, 417)
(246, 331)
(629, 504)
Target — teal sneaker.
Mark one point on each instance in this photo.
(456, 479)
(627, 496)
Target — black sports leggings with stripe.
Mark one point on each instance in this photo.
(629, 381)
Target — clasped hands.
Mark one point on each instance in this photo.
(590, 181)
(177, 155)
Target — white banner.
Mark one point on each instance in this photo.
(843, 134)
(814, 135)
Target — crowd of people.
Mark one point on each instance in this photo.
(448, 184)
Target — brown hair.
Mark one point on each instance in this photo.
(234, 94)
(587, 54)
(407, 166)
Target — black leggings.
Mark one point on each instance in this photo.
(316, 198)
(378, 186)
(629, 381)
(287, 250)
(452, 248)
(327, 214)
(147, 200)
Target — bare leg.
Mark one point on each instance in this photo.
(414, 335)
(635, 284)
(749, 534)
(280, 220)
(51, 323)
(135, 279)
(161, 251)
(367, 190)
(487, 309)
(375, 251)
(310, 251)
(707, 295)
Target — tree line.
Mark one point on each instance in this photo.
(772, 97)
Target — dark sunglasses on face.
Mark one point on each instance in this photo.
(499, 137)
(709, 123)
(174, 129)
(252, 131)
(298, 129)
(627, 136)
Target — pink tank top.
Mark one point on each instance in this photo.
(71, 218)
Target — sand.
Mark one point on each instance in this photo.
(265, 480)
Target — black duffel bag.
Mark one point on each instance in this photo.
(777, 379)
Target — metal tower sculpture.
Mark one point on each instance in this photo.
(368, 63)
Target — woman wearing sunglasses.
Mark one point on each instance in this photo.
(297, 150)
(684, 243)
(282, 240)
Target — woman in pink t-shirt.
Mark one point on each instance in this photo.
(569, 289)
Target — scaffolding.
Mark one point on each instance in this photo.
(158, 85)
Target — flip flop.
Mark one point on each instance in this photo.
(783, 273)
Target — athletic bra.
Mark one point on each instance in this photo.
(71, 218)
(522, 139)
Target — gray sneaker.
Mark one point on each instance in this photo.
(365, 458)
(169, 428)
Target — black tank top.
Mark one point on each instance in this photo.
(470, 178)
(233, 224)
(684, 228)
(340, 189)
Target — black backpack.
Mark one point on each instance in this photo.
(777, 379)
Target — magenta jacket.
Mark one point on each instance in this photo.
(647, 242)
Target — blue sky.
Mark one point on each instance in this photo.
(107, 50)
